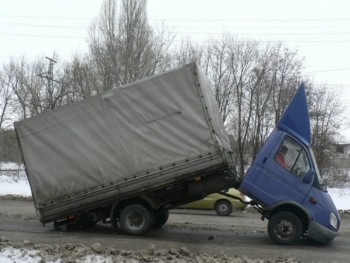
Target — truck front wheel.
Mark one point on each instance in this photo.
(136, 219)
(285, 228)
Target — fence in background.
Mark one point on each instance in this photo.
(16, 173)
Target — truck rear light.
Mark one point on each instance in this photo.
(72, 217)
(197, 179)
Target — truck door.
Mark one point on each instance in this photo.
(281, 176)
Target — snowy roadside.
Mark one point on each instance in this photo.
(28, 252)
(16, 186)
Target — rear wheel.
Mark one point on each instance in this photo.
(223, 208)
(136, 219)
(285, 228)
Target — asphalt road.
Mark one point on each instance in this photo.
(242, 234)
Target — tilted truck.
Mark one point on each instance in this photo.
(129, 155)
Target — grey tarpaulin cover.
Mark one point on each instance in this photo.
(121, 134)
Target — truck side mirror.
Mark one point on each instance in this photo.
(309, 177)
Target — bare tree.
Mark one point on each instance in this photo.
(136, 39)
(7, 115)
(51, 94)
(285, 77)
(6, 101)
(251, 82)
(229, 64)
(218, 70)
(18, 81)
(325, 112)
(280, 73)
(103, 47)
(123, 47)
(242, 63)
(35, 91)
(185, 53)
(80, 79)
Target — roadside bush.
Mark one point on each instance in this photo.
(336, 177)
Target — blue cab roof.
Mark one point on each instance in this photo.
(295, 119)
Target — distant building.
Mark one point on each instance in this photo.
(341, 153)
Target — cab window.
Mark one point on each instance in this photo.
(293, 157)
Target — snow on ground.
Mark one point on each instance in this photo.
(341, 197)
(13, 180)
(21, 255)
(19, 186)
(11, 254)
(16, 184)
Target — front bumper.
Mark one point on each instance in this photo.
(320, 233)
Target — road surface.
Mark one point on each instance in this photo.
(202, 232)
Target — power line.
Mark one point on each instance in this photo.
(205, 41)
(266, 34)
(252, 20)
(192, 20)
(329, 70)
(44, 36)
(198, 27)
(190, 32)
(36, 25)
(47, 17)
(276, 41)
(265, 27)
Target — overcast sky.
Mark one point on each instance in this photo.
(318, 29)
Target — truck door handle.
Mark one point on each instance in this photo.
(268, 172)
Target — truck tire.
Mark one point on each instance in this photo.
(223, 208)
(285, 228)
(136, 219)
(161, 218)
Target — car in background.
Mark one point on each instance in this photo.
(222, 204)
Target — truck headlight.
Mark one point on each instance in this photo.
(333, 221)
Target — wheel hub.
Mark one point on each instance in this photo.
(223, 208)
(285, 229)
(135, 220)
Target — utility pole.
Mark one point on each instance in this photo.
(50, 82)
(49, 74)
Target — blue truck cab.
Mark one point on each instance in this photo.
(285, 185)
